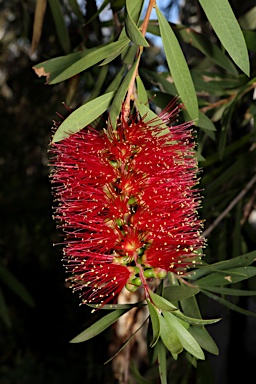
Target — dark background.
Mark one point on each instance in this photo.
(35, 345)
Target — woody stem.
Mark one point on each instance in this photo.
(130, 91)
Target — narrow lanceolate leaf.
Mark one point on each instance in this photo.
(89, 60)
(120, 95)
(239, 261)
(83, 116)
(76, 9)
(179, 292)
(154, 316)
(230, 276)
(130, 25)
(187, 340)
(38, 23)
(142, 93)
(228, 304)
(60, 25)
(99, 326)
(178, 67)
(224, 23)
(204, 339)
(162, 303)
(169, 337)
(161, 355)
(15, 285)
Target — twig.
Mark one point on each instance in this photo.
(229, 207)
(130, 91)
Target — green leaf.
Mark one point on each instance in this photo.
(161, 302)
(132, 30)
(99, 326)
(194, 321)
(142, 93)
(53, 67)
(98, 85)
(239, 261)
(60, 25)
(224, 23)
(13, 283)
(179, 292)
(178, 67)
(155, 324)
(115, 83)
(186, 339)
(248, 20)
(232, 291)
(227, 303)
(161, 354)
(103, 5)
(210, 50)
(76, 9)
(116, 52)
(92, 58)
(169, 336)
(200, 42)
(120, 95)
(150, 117)
(4, 313)
(230, 276)
(162, 80)
(204, 339)
(83, 116)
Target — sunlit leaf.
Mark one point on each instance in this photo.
(132, 30)
(225, 24)
(83, 116)
(99, 326)
(120, 95)
(142, 93)
(178, 66)
(92, 58)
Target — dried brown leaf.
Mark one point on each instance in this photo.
(38, 23)
(41, 72)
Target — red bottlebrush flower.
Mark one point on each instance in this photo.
(127, 204)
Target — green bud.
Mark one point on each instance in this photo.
(160, 273)
(131, 287)
(149, 273)
(136, 281)
(132, 200)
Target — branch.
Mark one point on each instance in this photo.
(229, 207)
